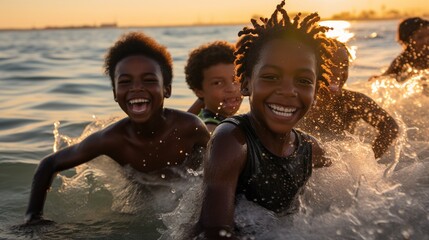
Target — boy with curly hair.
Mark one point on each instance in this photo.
(210, 74)
(151, 138)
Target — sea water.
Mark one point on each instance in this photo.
(53, 93)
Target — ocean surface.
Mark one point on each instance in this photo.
(53, 93)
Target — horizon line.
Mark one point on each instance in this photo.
(115, 25)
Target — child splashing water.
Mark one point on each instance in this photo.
(413, 35)
(338, 110)
(152, 138)
(280, 64)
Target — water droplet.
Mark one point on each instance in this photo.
(222, 233)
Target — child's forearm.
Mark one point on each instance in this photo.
(387, 135)
(41, 183)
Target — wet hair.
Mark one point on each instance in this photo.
(136, 43)
(205, 56)
(306, 31)
(408, 27)
(338, 44)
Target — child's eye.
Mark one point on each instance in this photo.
(269, 77)
(150, 80)
(124, 81)
(305, 81)
(217, 83)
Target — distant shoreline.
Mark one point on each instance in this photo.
(114, 25)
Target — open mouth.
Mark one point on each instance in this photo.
(281, 110)
(233, 102)
(139, 105)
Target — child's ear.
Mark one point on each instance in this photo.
(199, 93)
(245, 87)
(167, 91)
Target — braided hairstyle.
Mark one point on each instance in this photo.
(306, 31)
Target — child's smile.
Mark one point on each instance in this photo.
(138, 105)
(281, 110)
(283, 83)
(139, 87)
(220, 91)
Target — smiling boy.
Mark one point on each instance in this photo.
(210, 74)
(151, 138)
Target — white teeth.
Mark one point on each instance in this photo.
(282, 111)
(138, 100)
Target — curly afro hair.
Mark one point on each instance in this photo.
(307, 31)
(205, 56)
(408, 27)
(136, 43)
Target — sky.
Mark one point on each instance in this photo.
(42, 13)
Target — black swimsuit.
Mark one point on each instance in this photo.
(269, 180)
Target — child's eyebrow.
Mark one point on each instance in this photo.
(310, 70)
(150, 74)
(306, 70)
(271, 66)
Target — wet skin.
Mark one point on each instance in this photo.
(415, 56)
(220, 92)
(281, 90)
(339, 110)
(150, 139)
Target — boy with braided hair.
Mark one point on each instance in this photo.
(280, 65)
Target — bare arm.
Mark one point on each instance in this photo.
(319, 158)
(225, 160)
(386, 126)
(196, 107)
(50, 165)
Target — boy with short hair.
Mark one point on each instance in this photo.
(210, 74)
(413, 35)
(150, 138)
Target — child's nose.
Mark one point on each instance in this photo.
(138, 85)
(287, 88)
(233, 86)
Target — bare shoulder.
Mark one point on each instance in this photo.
(182, 118)
(188, 124)
(350, 95)
(110, 135)
(228, 142)
(359, 100)
(227, 152)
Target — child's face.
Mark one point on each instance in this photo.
(340, 70)
(283, 83)
(420, 39)
(139, 87)
(220, 92)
